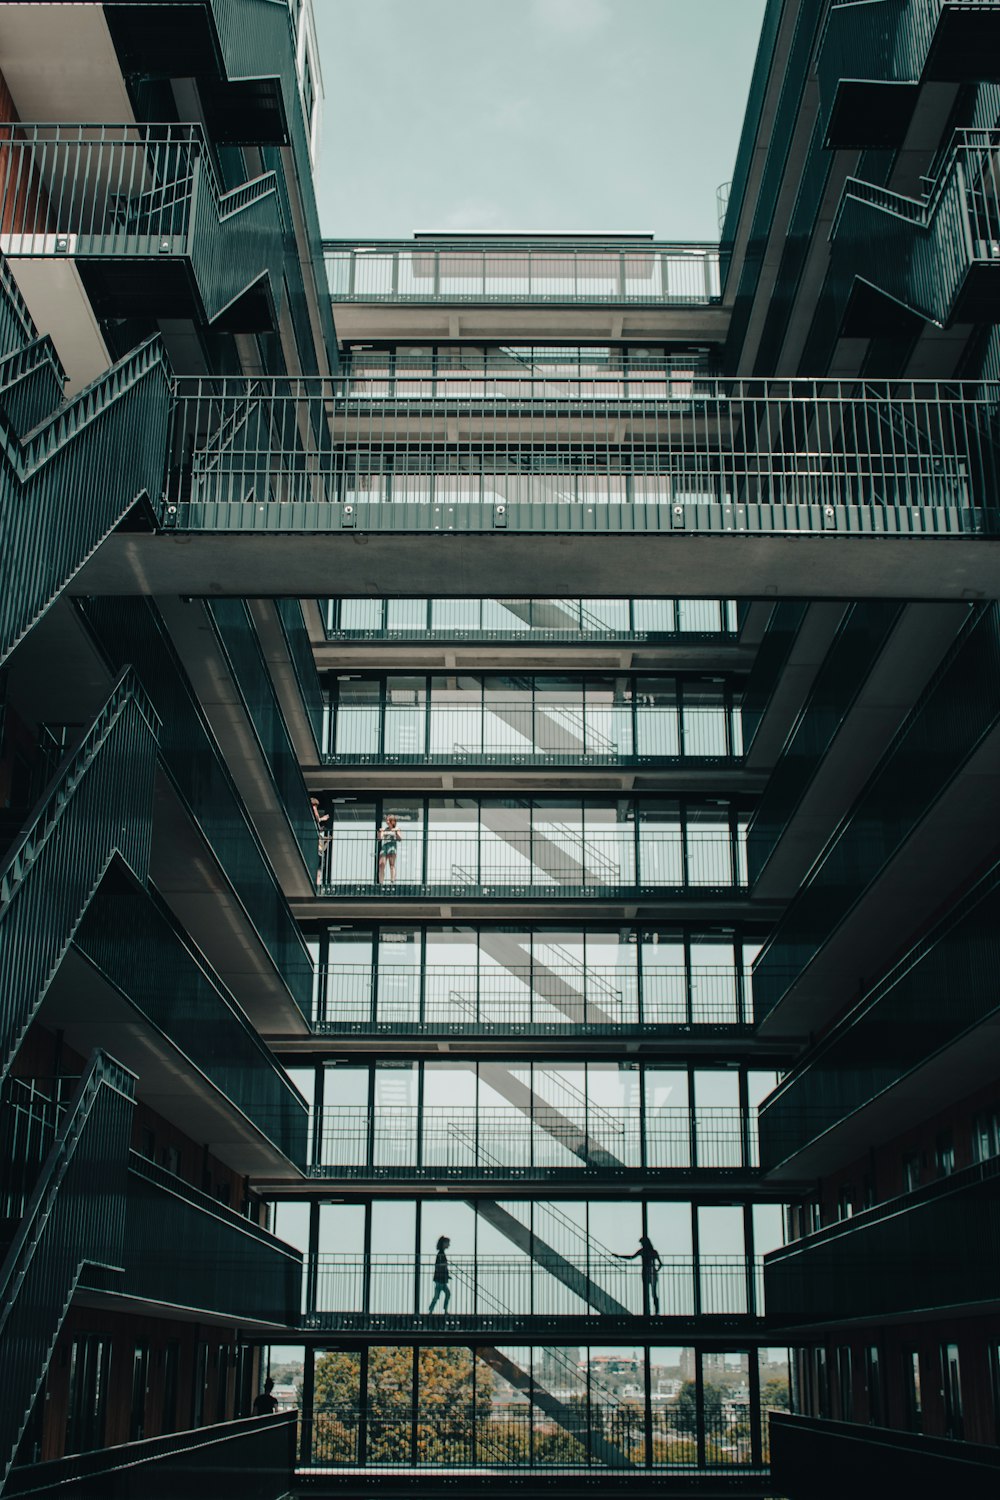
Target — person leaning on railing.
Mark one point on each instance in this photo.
(390, 836)
(650, 1266)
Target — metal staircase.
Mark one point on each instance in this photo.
(70, 471)
(75, 1218)
(98, 807)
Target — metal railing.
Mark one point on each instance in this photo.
(76, 1216)
(752, 442)
(461, 1139)
(241, 647)
(557, 732)
(541, 619)
(99, 805)
(555, 1434)
(510, 997)
(542, 1285)
(921, 252)
(186, 1249)
(639, 270)
(957, 710)
(112, 192)
(242, 1460)
(186, 1002)
(549, 860)
(131, 629)
(887, 42)
(66, 484)
(31, 1113)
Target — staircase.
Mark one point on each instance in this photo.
(70, 471)
(939, 255)
(75, 1218)
(98, 807)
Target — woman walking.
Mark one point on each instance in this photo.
(442, 1275)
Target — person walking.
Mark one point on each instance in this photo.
(442, 1275)
(390, 836)
(651, 1262)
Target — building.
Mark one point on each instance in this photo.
(499, 769)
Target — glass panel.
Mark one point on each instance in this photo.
(390, 1405)
(336, 1406)
(674, 1407)
(668, 1139)
(775, 1390)
(726, 1380)
(669, 1227)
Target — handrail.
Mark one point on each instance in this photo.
(42, 1268)
(52, 807)
(119, 820)
(26, 456)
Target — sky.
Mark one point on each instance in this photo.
(532, 116)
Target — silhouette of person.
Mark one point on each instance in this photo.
(650, 1265)
(265, 1403)
(442, 1275)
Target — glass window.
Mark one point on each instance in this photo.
(912, 1391)
(673, 1395)
(773, 1371)
(664, 980)
(726, 1396)
(951, 1382)
(405, 715)
(722, 1266)
(668, 1123)
(336, 1406)
(661, 856)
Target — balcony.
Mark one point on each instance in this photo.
(547, 998)
(919, 1031)
(501, 270)
(140, 212)
(511, 288)
(589, 724)
(939, 256)
(529, 1294)
(922, 1253)
(531, 1139)
(545, 853)
(528, 620)
(536, 503)
(184, 1250)
(873, 58)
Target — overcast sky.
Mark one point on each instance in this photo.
(531, 115)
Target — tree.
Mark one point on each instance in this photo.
(686, 1410)
(774, 1395)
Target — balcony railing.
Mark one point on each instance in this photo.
(515, 998)
(729, 443)
(868, 54)
(529, 619)
(555, 860)
(185, 1249)
(93, 192)
(372, 1290)
(558, 1435)
(519, 271)
(548, 1140)
(544, 732)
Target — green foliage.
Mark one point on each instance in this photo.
(774, 1395)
